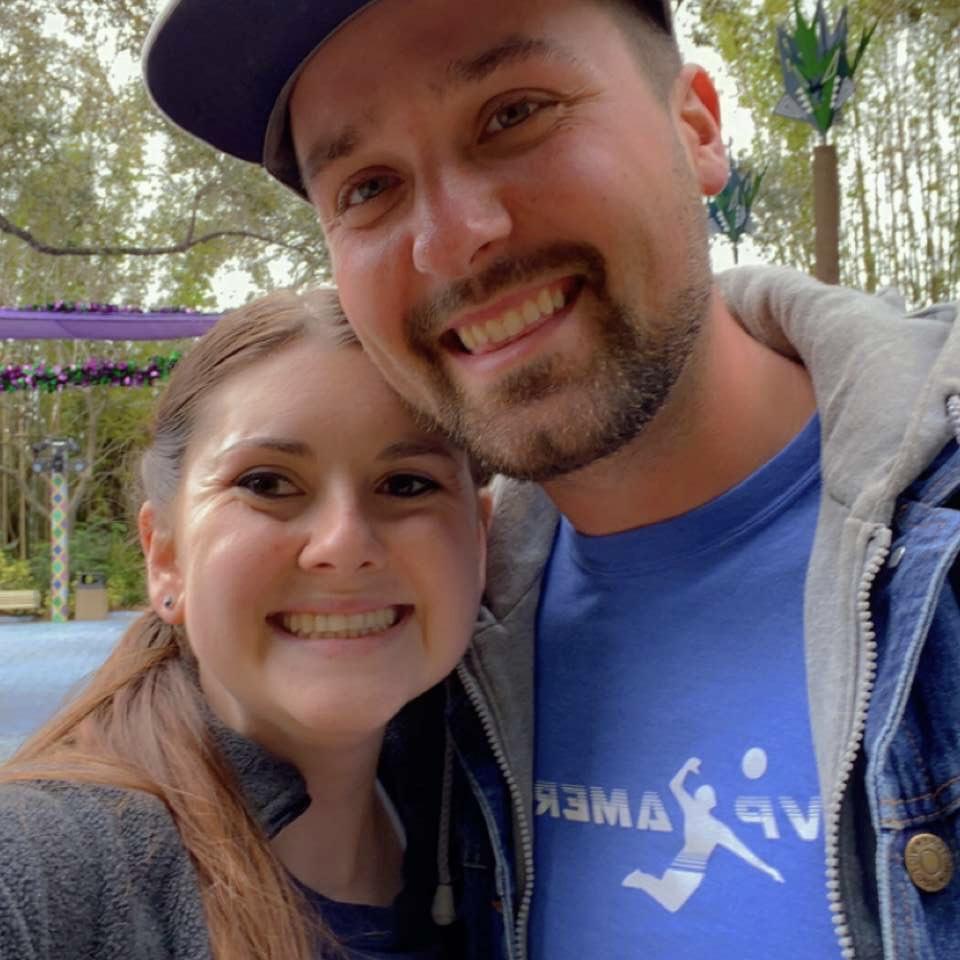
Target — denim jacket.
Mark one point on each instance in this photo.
(882, 632)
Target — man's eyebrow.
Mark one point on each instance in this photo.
(516, 48)
(420, 447)
(327, 150)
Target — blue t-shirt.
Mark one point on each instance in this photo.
(677, 809)
(379, 933)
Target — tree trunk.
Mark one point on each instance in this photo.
(826, 213)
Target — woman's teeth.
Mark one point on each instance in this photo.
(329, 625)
(513, 321)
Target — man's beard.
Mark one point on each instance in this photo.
(589, 413)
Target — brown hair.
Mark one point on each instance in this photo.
(140, 724)
(655, 49)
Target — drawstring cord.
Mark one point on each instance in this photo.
(443, 911)
(953, 413)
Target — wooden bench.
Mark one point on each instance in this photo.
(19, 600)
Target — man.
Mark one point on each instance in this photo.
(511, 196)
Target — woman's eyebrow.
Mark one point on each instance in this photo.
(282, 445)
(417, 448)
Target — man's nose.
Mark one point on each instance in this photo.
(460, 216)
(342, 537)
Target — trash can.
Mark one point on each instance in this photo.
(90, 597)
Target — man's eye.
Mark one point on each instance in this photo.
(407, 485)
(272, 486)
(356, 194)
(511, 115)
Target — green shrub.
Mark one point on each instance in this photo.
(15, 574)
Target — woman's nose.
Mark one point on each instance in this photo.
(342, 537)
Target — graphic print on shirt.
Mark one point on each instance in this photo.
(702, 834)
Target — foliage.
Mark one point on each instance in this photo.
(109, 547)
(97, 168)
(92, 372)
(898, 142)
(15, 574)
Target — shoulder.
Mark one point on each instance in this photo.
(67, 828)
(70, 854)
(45, 813)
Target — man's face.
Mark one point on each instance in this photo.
(514, 219)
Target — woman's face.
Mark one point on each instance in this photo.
(327, 554)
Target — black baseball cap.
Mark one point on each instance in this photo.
(223, 70)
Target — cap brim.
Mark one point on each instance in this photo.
(219, 76)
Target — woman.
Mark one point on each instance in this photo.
(314, 564)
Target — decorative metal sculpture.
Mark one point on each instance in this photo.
(729, 210)
(818, 76)
(817, 72)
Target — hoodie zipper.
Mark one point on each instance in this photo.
(474, 694)
(867, 631)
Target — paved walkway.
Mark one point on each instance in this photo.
(41, 663)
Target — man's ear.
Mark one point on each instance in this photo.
(164, 582)
(698, 110)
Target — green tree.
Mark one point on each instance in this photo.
(100, 198)
(898, 141)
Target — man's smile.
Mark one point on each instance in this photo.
(511, 318)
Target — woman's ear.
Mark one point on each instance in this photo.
(164, 582)
(697, 108)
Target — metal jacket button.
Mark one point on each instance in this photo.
(929, 862)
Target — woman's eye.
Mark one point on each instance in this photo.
(511, 115)
(270, 485)
(357, 194)
(408, 485)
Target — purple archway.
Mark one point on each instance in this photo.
(103, 324)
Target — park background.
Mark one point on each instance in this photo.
(103, 203)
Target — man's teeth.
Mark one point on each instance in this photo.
(512, 321)
(323, 625)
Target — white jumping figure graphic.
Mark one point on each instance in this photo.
(702, 834)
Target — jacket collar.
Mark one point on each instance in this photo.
(276, 794)
(866, 355)
(274, 791)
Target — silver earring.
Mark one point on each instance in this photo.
(168, 603)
